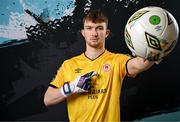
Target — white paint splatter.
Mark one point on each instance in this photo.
(87, 6)
(16, 27)
(69, 12)
(127, 2)
(57, 8)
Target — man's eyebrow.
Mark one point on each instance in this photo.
(87, 26)
(100, 26)
(92, 26)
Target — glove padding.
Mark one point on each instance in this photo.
(80, 84)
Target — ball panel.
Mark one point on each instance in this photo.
(154, 20)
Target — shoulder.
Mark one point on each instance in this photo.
(118, 55)
(73, 59)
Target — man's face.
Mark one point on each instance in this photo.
(95, 33)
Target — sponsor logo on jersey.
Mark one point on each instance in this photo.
(94, 93)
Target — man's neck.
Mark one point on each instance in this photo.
(93, 53)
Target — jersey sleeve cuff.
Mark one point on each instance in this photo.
(53, 86)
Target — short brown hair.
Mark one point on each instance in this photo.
(96, 16)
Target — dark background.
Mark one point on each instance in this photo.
(27, 69)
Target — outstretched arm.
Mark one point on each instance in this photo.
(137, 65)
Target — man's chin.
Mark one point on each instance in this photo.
(95, 45)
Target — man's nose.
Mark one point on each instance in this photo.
(94, 32)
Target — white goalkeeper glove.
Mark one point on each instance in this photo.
(80, 84)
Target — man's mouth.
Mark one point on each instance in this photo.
(94, 39)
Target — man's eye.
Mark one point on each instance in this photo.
(100, 28)
(88, 28)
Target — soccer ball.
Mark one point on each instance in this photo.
(151, 33)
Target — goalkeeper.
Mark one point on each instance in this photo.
(91, 82)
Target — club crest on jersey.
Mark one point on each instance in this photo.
(106, 67)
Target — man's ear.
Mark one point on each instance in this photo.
(107, 32)
(82, 32)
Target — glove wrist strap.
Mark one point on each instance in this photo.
(66, 89)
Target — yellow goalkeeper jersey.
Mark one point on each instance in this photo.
(102, 102)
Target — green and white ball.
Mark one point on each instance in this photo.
(151, 33)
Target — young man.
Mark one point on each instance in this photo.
(91, 82)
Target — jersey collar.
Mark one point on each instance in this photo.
(96, 57)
